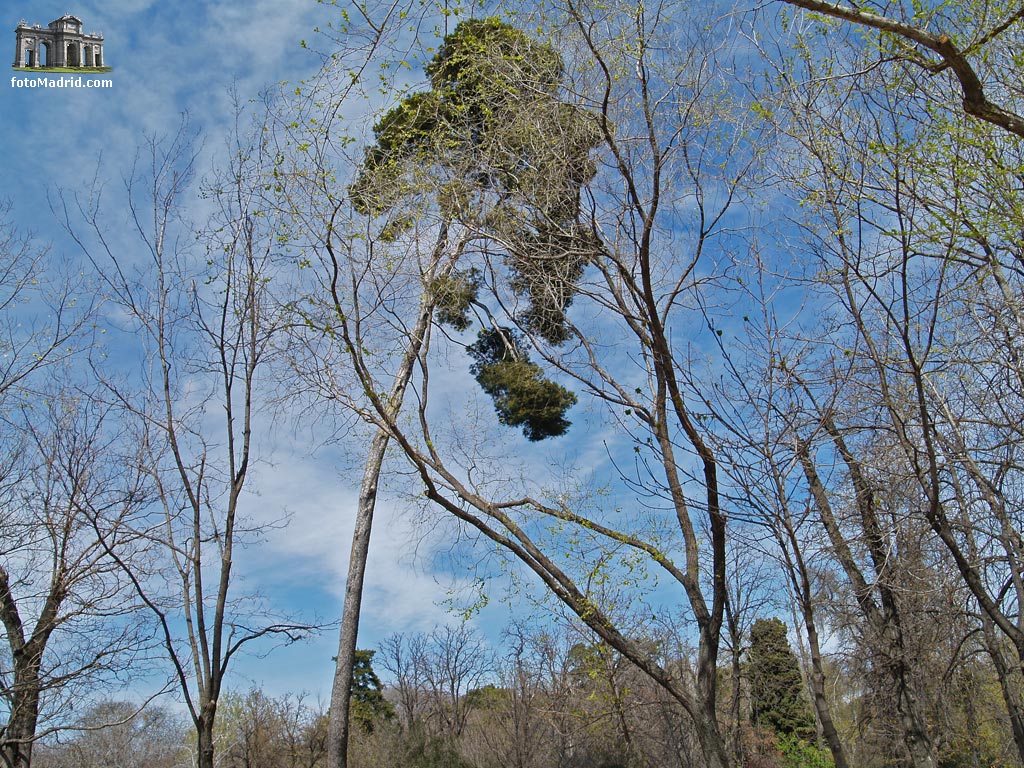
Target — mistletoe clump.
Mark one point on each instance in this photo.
(454, 295)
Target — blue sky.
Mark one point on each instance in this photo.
(170, 58)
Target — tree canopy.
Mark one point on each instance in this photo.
(506, 157)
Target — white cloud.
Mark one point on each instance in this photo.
(312, 551)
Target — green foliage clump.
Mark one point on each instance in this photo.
(454, 295)
(777, 697)
(503, 153)
(485, 60)
(547, 268)
(522, 396)
(403, 132)
(483, 75)
(799, 753)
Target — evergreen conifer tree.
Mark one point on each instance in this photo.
(368, 702)
(777, 697)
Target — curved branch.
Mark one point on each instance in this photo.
(975, 102)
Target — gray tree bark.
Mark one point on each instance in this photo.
(338, 719)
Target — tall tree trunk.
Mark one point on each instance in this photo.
(798, 575)
(17, 736)
(736, 670)
(338, 719)
(1007, 672)
(338, 723)
(883, 617)
(204, 736)
(919, 742)
(16, 745)
(1004, 672)
(705, 716)
(816, 679)
(710, 738)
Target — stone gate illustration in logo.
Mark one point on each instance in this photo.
(61, 43)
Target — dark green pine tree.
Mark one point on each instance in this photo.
(368, 705)
(777, 697)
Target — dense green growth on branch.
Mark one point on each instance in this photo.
(454, 295)
(507, 155)
(522, 396)
(497, 150)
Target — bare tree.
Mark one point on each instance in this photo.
(71, 619)
(402, 659)
(456, 662)
(513, 725)
(260, 731)
(205, 324)
(432, 674)
(896, 433)
(119, 733)
(43, 309)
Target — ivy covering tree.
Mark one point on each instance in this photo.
(507, 158)
(481, 164)
(777, 698)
